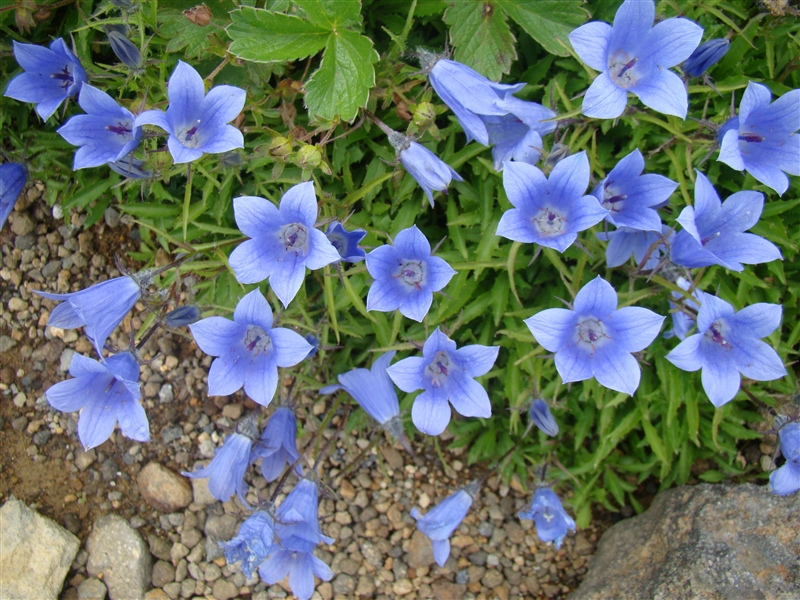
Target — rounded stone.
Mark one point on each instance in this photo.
(162, 489)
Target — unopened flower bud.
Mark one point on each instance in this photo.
(309, 157)
(706, 56)
(24, 15)
(280, 147)
(231, 159)
(126, 50)
(557, 153)
(424, 114)
(182, 316)
(542, 417)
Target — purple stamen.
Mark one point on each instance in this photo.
(119, 128)
(65, 76)
(626, 67)
(751, 137)
(191, 132)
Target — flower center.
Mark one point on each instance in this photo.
(751, 137)
(121, 128)
(439, 369)
(257, 341)
(549, 222)
(64, 75)
(591, 333)
(295, 238)
(708, 238)
(620, 70)
(612, 201)
(411, 272)
(337, 241)
(715, 334)
(189, 137)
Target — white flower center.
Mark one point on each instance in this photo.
(592, 334)
(612, 201)
(439, 369)
(295, 238)
(257, 341)
(621, 69)
(715, 334)
(188, 136)
(411, 272)
(549, 222)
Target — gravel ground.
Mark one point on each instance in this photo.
(378, 552)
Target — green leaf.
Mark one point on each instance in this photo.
(263, 36)
(184, 36)
(341, 84)
(481, 37)
(549, 22)
(331, 13)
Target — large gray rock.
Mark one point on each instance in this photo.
(35, 553)
(118, 553)
(707, 541)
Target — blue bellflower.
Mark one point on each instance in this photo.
(633, 199)
(441, 521)
(542, 417)
(298, 531)
(197, 123)
(182, 316)
(406, 275)
(225, 472)
(447, 376)
(346, 242)
(126, 51)
(625, 242)
(249, 349)
(105, 133)
(706, 56)
(713, 232)
(428, 170)
(552, 521)
(763, 139)
(252, 544)
(633, 56)
(131, 167)
(105, 393)
(283, 241)
(549, 212)
(595, 339)
(728, 343)
(517, 135)
(51, 76)
(277, 446)
(99, 308)
(786, 479)
(12, 181)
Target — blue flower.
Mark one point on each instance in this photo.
(762, 140)
(713, 232)
(549, 212)
(12, 180)
(517, 135)
(786, 479)
(681, 322)
(249, 348)
(50, 77)
(131, 168)
(314, 342)
(542, 417)
(105, 393)
(125, 50)
(277, 446)
(99, 308)
(346, 242)
(252, 544)
(406, 275)
(625, 242)
(105, 133)
(427, 169)
(706, 56)
(633, 199)
(595, 339)
(728, 343)
(440, 522)
(633, 56)
(446, 375)
(552, 521)
(197, 123)
(284, 241)
(182, 316)
(225, 472)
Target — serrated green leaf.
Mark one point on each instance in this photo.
(549, 22)
(331, 13)
(341, 84)
(263, 36)
(479, 31)
(184, 36)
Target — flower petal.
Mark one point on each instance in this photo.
(299, 204)
(597, 298)
(604, 99)
(430, 413)
(477, 360)
(616, 369)
(663, 91)
(590, 42)
(468, 396)
(252, 261)
(185, 91)
(407, 373)
(253, 309)
(570, 178)
(553, 328)
(635, 328)
(290, 347)
(686, 355)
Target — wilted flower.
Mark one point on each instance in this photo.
(277, 446)
(105, 393)
(252, 544)
(549, 212)
(99, 308)
(284, 241)
(595, 339)
(406, 275)
(447, 376)
(125, 50)
(633, 56)
(517, 135)
(625, 242)
(552, 521)
(542, 417)
(12, 180)
(633, 199)
(346, 242)
(131, 168)
(762, 140)
(441, 521)
(182, 316)
(728, 343)
(51, 76)
(706, 56)
(197, 123)
(249, 348)
(427, 169)
(786, 479)
(225, 472)
(105, 133)
(713, 232)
